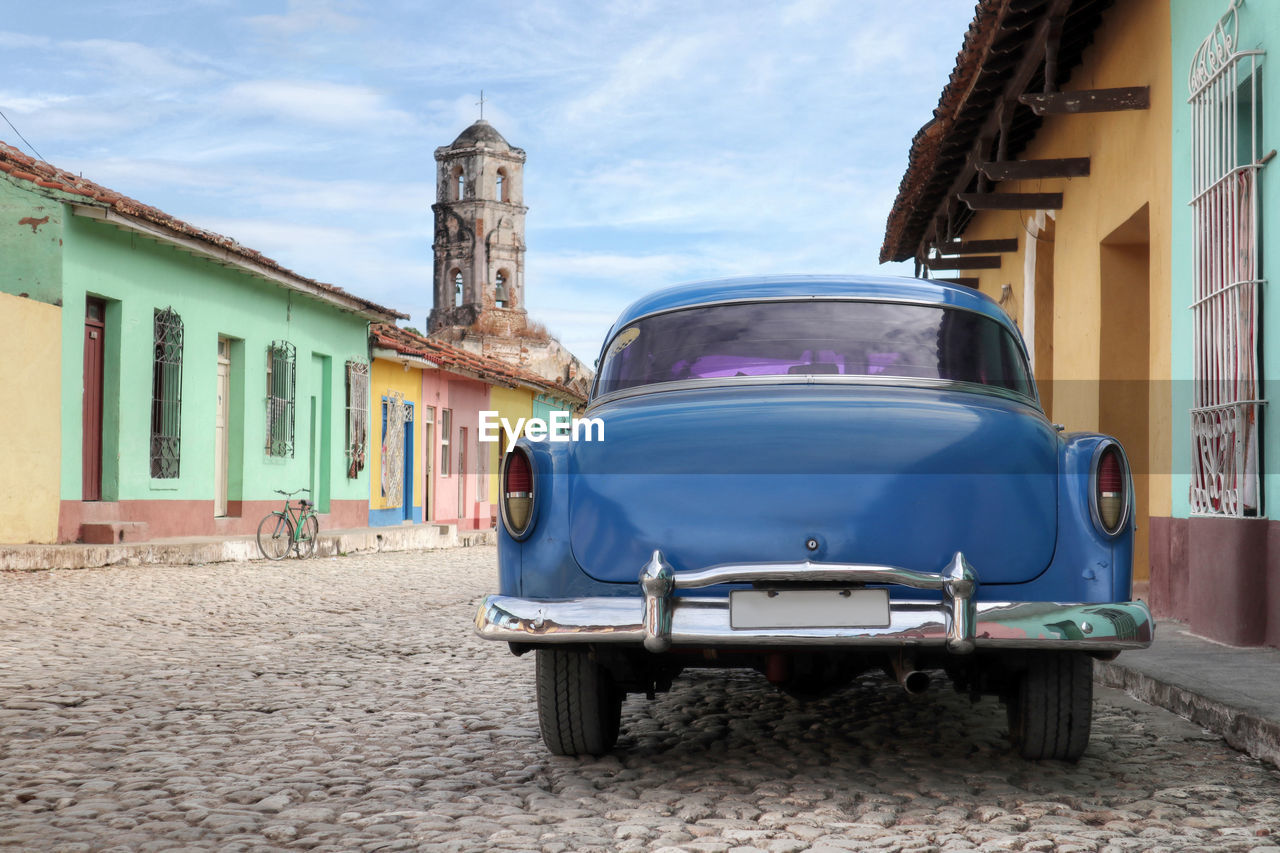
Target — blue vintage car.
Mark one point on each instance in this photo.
(813, 477)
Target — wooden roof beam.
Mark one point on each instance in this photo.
(1012, 201)
(1030, 170)
(977, 247)
(1089, 100)
(976, 262)
(967, 282)
(1017, 84)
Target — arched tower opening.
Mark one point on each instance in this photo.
(502, 290)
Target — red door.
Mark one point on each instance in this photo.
(91, 447)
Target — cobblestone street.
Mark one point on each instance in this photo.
(344, 704)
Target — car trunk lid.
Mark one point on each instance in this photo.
(900, 476)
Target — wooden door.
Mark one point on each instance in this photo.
(407, 502)
(95, 328)
(462, 476)
(221, 418)
(428, 453)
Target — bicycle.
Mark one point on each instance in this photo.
(293, 528)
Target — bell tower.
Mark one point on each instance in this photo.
(479, 234)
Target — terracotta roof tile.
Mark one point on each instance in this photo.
(997, 38)
(448, 356)
(925, 145)
(49, 177)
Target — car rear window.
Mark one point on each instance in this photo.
(816, 338)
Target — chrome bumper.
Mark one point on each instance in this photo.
(957, 622)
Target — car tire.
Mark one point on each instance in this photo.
(579, 705)
(1051, 707)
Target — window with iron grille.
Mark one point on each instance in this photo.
(166, 395)
(282, 371)
(357, 416)
(1226, 418)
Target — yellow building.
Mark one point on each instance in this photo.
(31, 342)
(429, 457)
(396, 491)
(1052, 196)
(511, 404)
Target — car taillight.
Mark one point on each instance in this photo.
(1111, 490)
(517, 492)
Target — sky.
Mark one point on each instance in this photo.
(667, 141)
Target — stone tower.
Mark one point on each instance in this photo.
(479, 234)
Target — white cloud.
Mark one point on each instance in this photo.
(30, 102)
(77, 118)
(305, 16)
(611, 267)
(641, 77)
(313, 102)
(805, 12)
(353, 198)
(22, 40)
(139, 63)
(374, 266)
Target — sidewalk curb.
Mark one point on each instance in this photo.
(236, 548)
(1257, 736)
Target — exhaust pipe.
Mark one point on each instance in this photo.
(913, 681)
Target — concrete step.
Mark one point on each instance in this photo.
(112, 532)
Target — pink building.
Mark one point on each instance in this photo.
(459, 482)
(427, 463)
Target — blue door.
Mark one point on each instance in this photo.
(407, 503)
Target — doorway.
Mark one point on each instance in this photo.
(1124, 369)
(428, 453)
(407, 502)
(321, 451)
(1042, 331)
(95, 327)
(462, 476)
(221, 419)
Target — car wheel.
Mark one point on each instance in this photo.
(1051, 707)
(579, 705)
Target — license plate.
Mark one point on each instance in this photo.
(809, 608)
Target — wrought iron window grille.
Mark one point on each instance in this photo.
(282, 372)
(357, 417)
(394, 417)
(1227, 412)
(166, 395)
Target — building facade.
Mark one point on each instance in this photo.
(1219, 566)
(1043, 181)
(195, 377)
(430, 463)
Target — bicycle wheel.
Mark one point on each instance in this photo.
(308, 536)
(275, 536)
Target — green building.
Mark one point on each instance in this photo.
(1216, 561)
(175, 379)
